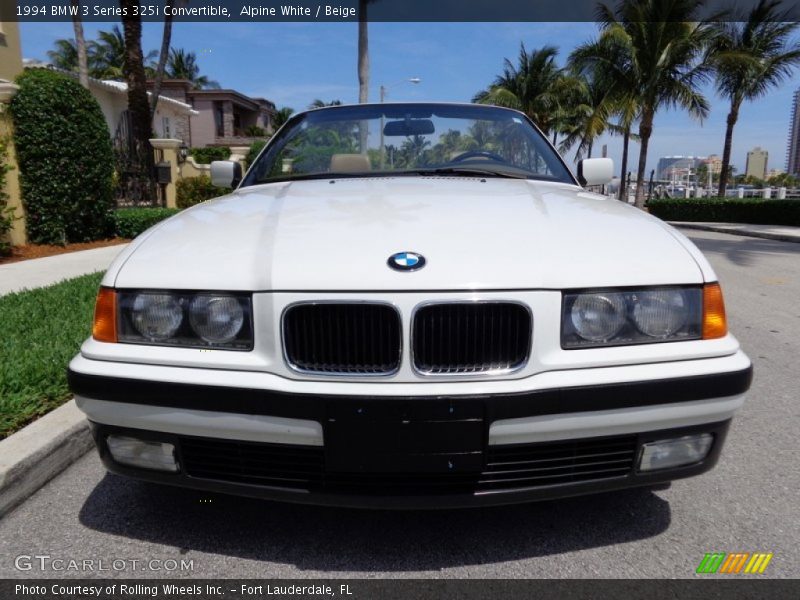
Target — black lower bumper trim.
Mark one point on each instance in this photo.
(300, 474)
(497, 406)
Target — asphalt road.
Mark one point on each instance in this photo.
(748, 503)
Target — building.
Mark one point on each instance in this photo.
(677, 168)
(793, 149)
(10, 55)
(222, 117)
(757, 163)
(714, 164)
(10, 67)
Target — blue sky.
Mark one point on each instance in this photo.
(294, 63)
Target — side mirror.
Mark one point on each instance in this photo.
(595, 171)
(226, 173)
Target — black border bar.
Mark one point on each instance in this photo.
(498, 406)
(249, 11)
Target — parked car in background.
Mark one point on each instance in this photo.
(410, 305)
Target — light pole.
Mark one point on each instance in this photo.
(391, 85)
(383, 88)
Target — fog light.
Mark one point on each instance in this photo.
(676, 452)
(141, 453)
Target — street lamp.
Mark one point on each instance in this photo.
(386, 87)
(383, 97)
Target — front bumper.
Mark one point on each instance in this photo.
(412, 450)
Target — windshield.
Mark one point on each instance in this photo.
(408, 139)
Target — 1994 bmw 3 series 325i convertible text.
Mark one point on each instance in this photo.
(410, 305)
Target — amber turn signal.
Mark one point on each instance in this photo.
(104, 328)
(715, 325)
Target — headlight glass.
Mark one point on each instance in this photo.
(216, 319)
(621, 317)
(156, 316)
(598, 317)
(201, 320)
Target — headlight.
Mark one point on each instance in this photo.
(620, 317)
(156, 316)
(216, 319)
(204, 320)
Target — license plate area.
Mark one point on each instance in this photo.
(395, 436)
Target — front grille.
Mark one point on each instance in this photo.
(351, 338)
(508, 468)
(471, 337)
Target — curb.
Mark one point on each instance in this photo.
(34, 455)
(737, 230)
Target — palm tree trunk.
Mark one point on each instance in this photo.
(733, 116)
(363, 53)
(80, 44)
(645, 129)
(166, 40)
(139, 107)
(623, 188)
(589, 149)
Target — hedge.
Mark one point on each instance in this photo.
(66, 161)
(205, 156)
(193, 190)
(252, 154)
(717, 210)
(130, 222)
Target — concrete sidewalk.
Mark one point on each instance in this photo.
(783, 233)
(39, 272)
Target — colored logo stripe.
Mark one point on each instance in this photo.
(720, 562)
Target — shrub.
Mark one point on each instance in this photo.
(255, 131)
(252, 154)
(718, 210)
(205, 156)
(65, 157)
(130, 222)
(193, 190)
(6, 214)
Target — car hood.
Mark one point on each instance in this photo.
(474, 233)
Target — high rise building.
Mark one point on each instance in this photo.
(757, 163)
(793, 150)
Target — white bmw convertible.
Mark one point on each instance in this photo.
(410, 305)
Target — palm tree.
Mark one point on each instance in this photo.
(750, 57)
(363, 52)
(65, 55)
(660, 56)
(317, 103)
(109, 55)
(158, 76)
(281, 116)
(535, 86)
(138, 105)
(601, 58)
(590, 116)
(80, 45)
(183, 65)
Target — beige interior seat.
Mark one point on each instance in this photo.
(350, 163)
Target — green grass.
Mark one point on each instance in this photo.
(40, 331)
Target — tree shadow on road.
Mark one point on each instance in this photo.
(333, 539)
(743, 251)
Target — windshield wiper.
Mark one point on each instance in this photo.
(473, 171)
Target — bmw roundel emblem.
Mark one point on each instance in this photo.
(406, 261)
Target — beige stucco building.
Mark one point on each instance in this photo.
(10, 67)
